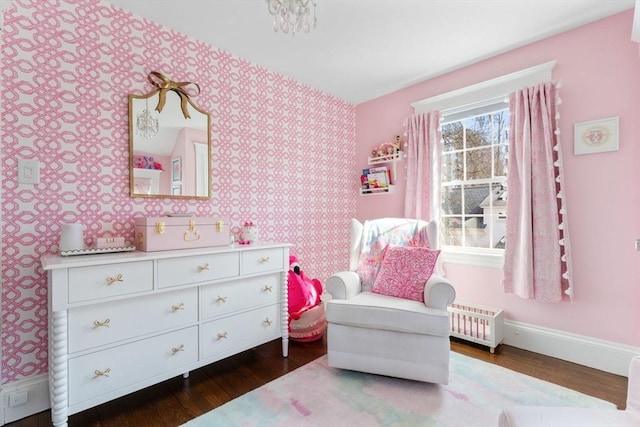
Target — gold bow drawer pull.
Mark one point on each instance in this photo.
(175, 308)
(112, 280)
(98, 324)
(222, 336)
(267, 288)
(267, 321)
(97, 373)
(202, 268)
(221, 299)
(264, 260)
(178, 349)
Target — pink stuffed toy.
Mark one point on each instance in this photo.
(307, 320)
(304, 293)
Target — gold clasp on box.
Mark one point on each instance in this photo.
(191, 231)
(219, 226)
(160, 227)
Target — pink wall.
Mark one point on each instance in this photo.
(600, 71)
(67, 68)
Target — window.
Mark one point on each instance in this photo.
(473, 178)
(474, 165)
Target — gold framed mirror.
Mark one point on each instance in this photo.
(169, 143)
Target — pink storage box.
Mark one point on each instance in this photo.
(168, 233)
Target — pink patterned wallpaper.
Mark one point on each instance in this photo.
(283, 153)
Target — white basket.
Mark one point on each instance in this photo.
(477, 323)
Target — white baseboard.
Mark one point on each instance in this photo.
(594, 353)
(34, 392)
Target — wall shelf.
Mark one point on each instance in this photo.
(390, 160)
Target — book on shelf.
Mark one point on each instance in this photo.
(364, 181)
(378, 177)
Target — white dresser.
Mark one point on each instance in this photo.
(121, 322)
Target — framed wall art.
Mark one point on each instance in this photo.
(176, 169)
(596, 136)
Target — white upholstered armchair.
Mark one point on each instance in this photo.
(388, 335)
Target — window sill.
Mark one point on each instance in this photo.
(474, 257)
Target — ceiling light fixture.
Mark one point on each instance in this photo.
(294, 15)
(146, 125)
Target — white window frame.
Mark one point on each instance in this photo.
(467, 99)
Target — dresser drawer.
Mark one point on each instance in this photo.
(263, 260)
(106, 323)
(105, 371)
(237, 333)
(104, 281)
(195, 269)
(228, 297)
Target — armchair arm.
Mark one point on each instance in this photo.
(344, 285)
(438, 292)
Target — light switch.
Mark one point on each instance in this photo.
(28, 171)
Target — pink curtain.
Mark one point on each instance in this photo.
(423, 146)
(536, 255)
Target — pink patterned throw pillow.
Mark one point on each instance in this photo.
(405, 271)
(377, 235)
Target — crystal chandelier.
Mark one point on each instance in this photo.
(146, 125)
(294, 15)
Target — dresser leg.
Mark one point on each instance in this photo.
(284, 310)
(58, 368)
(185, 375)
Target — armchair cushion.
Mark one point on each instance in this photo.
(405, 271)
(375, 311)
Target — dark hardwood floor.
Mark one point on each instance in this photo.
(177, 400)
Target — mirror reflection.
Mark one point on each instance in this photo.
(170, 155)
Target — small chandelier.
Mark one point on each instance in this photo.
(146, 125)
(294, 15)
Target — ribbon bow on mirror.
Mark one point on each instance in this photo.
(164, 84)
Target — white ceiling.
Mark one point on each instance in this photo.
(363, 49)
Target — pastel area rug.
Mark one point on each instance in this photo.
(317, 395)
